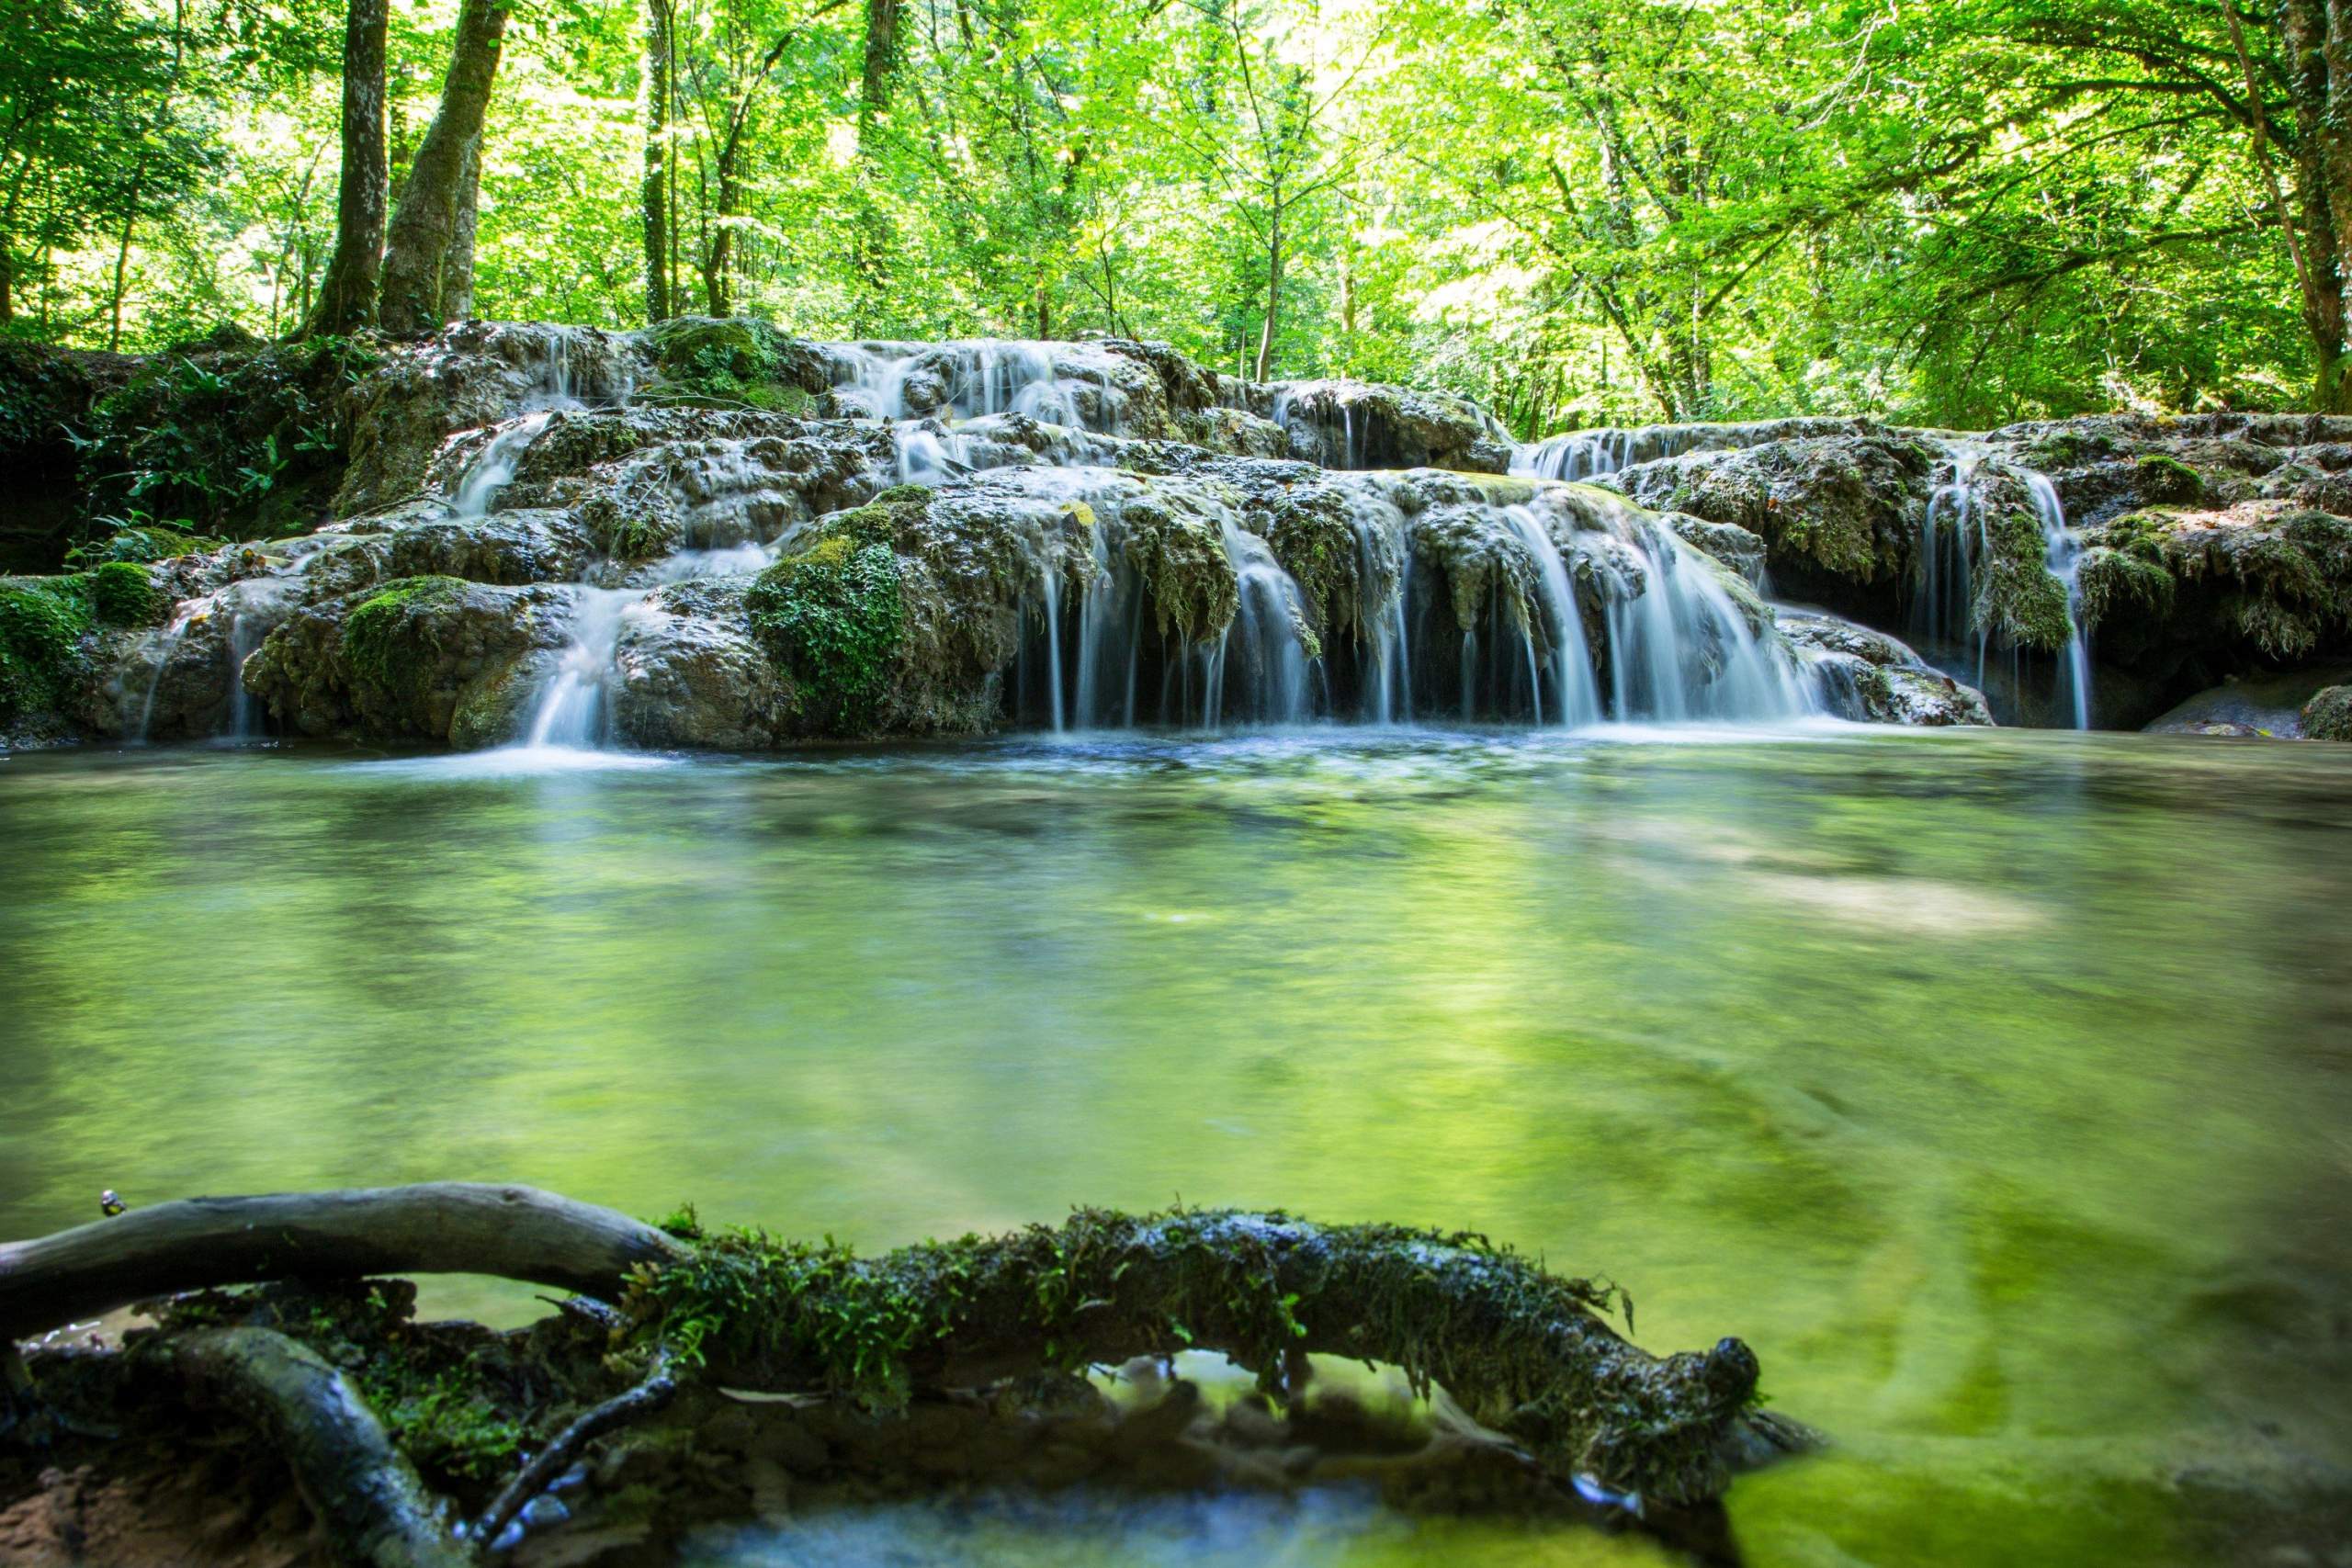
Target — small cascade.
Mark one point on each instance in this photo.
(2062, 554)
(1680, 647)
(1956, 539)
(1385, 588)
(253, 608)
(571, 709)
(1575, 694)
(1260, 671)
(188, 612)
(1578, 455)
(557, 389)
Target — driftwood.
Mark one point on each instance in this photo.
(1526, 1355)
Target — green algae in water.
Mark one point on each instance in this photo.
(1991, 1087)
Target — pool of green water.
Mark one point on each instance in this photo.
(1995, 1087)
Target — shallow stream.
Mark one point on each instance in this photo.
(1995, 1087)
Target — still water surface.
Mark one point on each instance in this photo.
(1997, 1087)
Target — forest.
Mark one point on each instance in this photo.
(1581, 212)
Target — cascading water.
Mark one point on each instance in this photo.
(1261, 658)
(2063, 555)
(1680, 647)
(1955, 540)
(572, 710)
(1575, 696)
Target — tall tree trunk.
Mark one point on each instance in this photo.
(8, 284)
(881, 66)
(457, 283)
(717, 285)
(2318, 37)
(347, 294)
(654, 191)
(1273, 294)
(424, 227)
(872, 234)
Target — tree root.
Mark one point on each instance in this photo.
(363, 1490)
(1554, 1396)
(648, 1397)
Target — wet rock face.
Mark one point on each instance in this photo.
(1876, 679)
(1839, 514)
(425, 658)
(1357, 424)
(2328, 715)
(718, 520)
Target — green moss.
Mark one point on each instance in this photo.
(830, 615)
(142, 543)
(123, 595)
(735, 361)
(2017, 598)
(43, 622)
(2163, 478)
(389, 639)
(2113, 579)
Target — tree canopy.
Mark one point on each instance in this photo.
(1957, 212)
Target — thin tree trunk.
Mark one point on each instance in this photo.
(138, 185)
(2318, 39)
(1273, 294)
(7, 285)
(457, 287)
(424, 228)
(717, 286)
(655, 189)
(347, 294)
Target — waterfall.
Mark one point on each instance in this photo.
(187, 613)
(2063, 555)
(1681, 649)
(1574, 690)
(1264, 651)
(1955, 537)
(255, 604)
(571, 706)
(1579, 455)
(556, 390)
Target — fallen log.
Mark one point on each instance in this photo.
(1525, 1355)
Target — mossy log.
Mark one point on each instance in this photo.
(1524, 1354)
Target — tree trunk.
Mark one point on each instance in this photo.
(654, 191)
(1274, 294)
(717, 282)
(7, 285)
(881, 64)
(2318, 37)
(424, 228)
(347, 294)
(458, 286)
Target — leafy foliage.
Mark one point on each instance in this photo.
(1958, 213)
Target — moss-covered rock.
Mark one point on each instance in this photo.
(43, 622)
(737, 361)
(830, 613)
(2328, 715)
